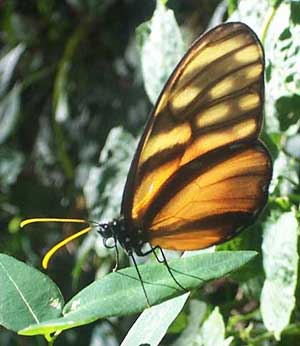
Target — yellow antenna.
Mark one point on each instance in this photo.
(59, 245)
(50, 219)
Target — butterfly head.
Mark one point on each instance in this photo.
(118, 230)
(114, 230)
(106, 230)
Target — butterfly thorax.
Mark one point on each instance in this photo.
(130, 238)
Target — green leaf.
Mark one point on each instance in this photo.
(213, 330)
(275, 3)
(180, 322)
(161, 49)
(105, 184)
(7, 65)
(11, 163)
(167, 312)
(284, 175)
(27, 295)
(293, 146)
(295, 12)
(102, 298)
(288, 111)
(283, 54)
(153, 323)
(196, 315)
(253, 16)
(9, 111)
(280, 259)
(103, 190)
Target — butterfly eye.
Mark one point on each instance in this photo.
(105, 230)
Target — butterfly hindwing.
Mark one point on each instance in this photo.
(209, 199)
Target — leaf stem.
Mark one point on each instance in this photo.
(291, 329)
(52, 337)
(241, 318)
(51, 342)
(59, 85)
(232, 6)
(268, 20)
(262, 334)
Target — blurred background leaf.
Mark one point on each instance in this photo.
(161, 48)
(281, 268)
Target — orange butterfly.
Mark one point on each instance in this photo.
(200, 174)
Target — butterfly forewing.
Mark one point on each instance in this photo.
(211, 104)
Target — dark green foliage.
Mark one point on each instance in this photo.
(288, 105)
(295, 12)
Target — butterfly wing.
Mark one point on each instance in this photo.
(210, 199)
(211, 103)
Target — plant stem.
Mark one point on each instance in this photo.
(59, 87)
(291, 329)
(51, 342)
(50, 339)
(241, 318)
(268, 21)
(232, 6)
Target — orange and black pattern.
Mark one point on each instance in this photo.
(200, 173)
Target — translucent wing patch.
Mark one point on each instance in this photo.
(213, 99)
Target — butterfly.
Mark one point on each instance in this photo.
(200, 174)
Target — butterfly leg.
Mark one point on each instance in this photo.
(117, 257)
(140, 277)
(164, 261)
(115, 246)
